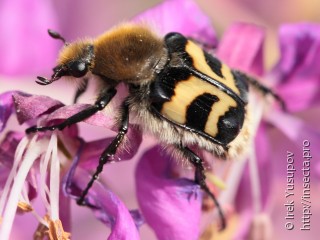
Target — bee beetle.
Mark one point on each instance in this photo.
(176, 92)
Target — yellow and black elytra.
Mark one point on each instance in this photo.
(199, 93)
(176, 91)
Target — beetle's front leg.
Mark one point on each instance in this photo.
(100, 104)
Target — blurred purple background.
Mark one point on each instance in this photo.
(27, 51)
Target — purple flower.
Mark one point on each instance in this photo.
(35, 153)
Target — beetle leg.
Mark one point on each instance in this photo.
(264, 89)
(100, 104)
(108, 152)
(200, 178)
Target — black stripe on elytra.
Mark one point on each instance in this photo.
(157, 114)
(162, 88)
(218, 84)
(176, 43)
(214, 64)
(198, 111)
(230, 124)
(241, 84)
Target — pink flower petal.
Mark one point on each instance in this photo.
(92, 151)
(172, 207)
(24, 43)
(244, 200)
(7, 150)
(6, 108)
(65, 211)
(32, 106)
(296, 130)
(182, 16)
(98, 119)
(301, 94)
(298, 68)
(242, 48)
(299, 45)
(108, 208)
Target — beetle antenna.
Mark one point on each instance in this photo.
(45, 81)
(56, 35)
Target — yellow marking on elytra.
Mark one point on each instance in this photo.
(201, 65)
(218, 110)
(188, 90)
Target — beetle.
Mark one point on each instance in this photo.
(176, 91)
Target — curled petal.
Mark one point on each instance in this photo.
(107, 207)
(298, 68)
(6, 108)
(32, 106)
(242, 48)
(170, 16)
(98, 119)
(299, 45)
(172, 207)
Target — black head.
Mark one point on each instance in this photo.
(75, 60)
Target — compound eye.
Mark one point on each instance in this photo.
(78, 69)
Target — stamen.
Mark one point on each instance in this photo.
(253, 168)
(17, 159)
(43, 188)
(33, 152)
(54, 178)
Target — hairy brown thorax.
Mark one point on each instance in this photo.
(74, 51)
(127, 53)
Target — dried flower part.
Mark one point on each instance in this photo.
(24, 207)
(212, 231)
(41, 232)
(56, 231)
